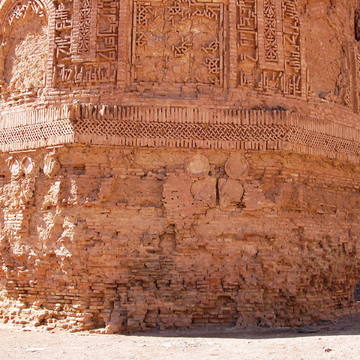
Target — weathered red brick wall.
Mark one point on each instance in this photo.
(175, 163)
(134, 239)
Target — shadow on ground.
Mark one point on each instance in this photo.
(349, 325)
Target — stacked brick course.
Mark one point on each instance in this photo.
(135, 239)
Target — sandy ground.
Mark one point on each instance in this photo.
(325, 341)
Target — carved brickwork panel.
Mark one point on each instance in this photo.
(87, 42)
(186, 45)
(178, 42)
(84, 29)
(63, 28)
(23, 49)
(271, 53)
(269, 47)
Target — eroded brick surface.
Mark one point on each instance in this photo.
(169, 163)
(132, 239)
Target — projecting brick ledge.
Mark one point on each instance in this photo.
(175, 126)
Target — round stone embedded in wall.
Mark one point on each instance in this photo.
(14, 167)
(237, 166)
(27, 165)
(51, 165)
(198, 165)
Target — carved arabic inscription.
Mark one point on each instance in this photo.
(269, 47)
(87, 42)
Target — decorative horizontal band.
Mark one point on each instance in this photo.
(216, 128)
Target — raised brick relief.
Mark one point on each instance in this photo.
(178, 43)
(85, 25)
(269, 47)
(63, 27)
(87, 43)
(269, 32)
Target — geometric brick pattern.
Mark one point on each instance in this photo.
(35, 132)
(185, 127)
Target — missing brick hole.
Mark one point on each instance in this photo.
(357, 291)
(79, 170)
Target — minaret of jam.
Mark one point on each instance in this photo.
(176, 163)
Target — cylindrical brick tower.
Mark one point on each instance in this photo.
(174, 163)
